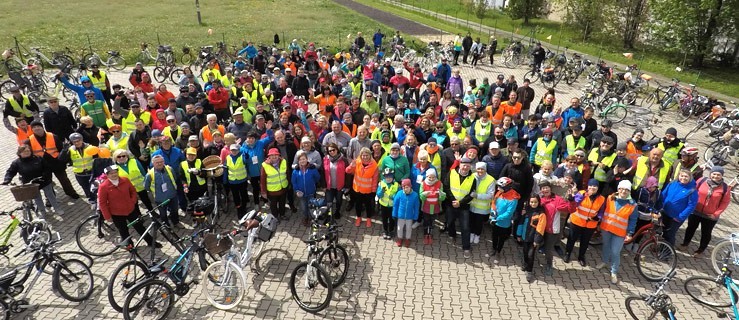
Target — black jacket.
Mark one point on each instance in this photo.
(467, 43)
(523, 179)
(61, 123)
(29, 169)
(300, 86)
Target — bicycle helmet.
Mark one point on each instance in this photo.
(75, 137)
(690, 151)
(388, 172)
(504, 182)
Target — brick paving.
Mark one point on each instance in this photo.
(394, 283)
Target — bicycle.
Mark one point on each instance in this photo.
(187, 57)
(726, 253)
(615, 110)
(164, 55)
(334, 258)
(114, 60)
(711, 291)
(549, 76)
(664, 96)
(655, 258)
(647, 306)
(58, 59)
(216, 194)
(28, 227)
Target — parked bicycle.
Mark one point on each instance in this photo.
(649, 306)
(712, 291)
(165, 55)
(113, 61)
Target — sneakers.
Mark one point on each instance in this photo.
(427, 239)
(530, 277)
(369, 223)
(407, 243)
(385, 236)
(477, 239)
(614, 278)
(495, 260)
(358, 222)
(399, 242)
(467, 254)
(472, 238)
(548, 271)
(415, 225)
(697, 254)
(601, 265)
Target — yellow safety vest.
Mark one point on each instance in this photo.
(215, 72)
(435, 159)
(151, 178)
(598, 173)
(276, 181)
(356, 88)
(236, 170)
(461, 135)
(133, 174)
(460, 190)
(572, 146)
(544, 151)
(482, 188)
(389, 193)
(482, 133)
(122, 143)
(670, 154)
(128, 125)
(226, 82)
(82, 161)
(186, 167)
(252, 97)
(679, 166)
(23, 109)
(168, 132)
(642, 168)
(98, 82)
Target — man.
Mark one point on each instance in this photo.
(100, 80)
(49, 147)
(590, 123)
(235, 177)
(161, 182)
(397, 162)
(198, 120)
(96, 109)
(525, 96)
(172, 130)
(495, 160)
(253, 151)
(574, 111)
(300, 84)
(605, 130)
(184, 98)
(184, 136)
(132, 169)
(206, 133)
(119, 140)
(671, 146)
(602, 160)
(117, 201)
(130, 116)
(20, 105)
(138, 139)
(653, 165)
(466, 46)
(81, 89)
(539, 55)
(274, 182)
(81, 156)
(173, 157)
(449, 155)
(482, 196)
(481, 130)
(377, 39)
(369, 104)
(545, 148)
(337, 136)
(574, 141)
(512, 107)
(218, 98)
(58, 119)
(443, 72)
(459, 187)
(238, 127)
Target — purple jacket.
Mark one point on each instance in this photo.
(455, 86)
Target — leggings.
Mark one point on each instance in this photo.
(428, 223)
(241, 197)
(388, 223)
(706, 229)
(277, 205)
(500, 235)
(476, 222)
(582, 235)
(255, 189)
(366, 201)
(404, 228)
(121, 223)
(529, 255)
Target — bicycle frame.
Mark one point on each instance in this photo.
(5, 235)
(732, 288)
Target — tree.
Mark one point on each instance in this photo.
(586, 15)
(632, 14)
(526, 9)
(479, 8)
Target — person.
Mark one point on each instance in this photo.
(713, 199)
(481, 198)
(206, 133)
(334, 165)
(218, 97)
(117, 201)
(100, 81)
(236, 178)
(460, 185)
(618, 225)
(397, 162)
(595, 136)
(545, 148)
(365, 171)
(253, 149)
(432, 195)
(304, 179)
(554, 206)
(58, 119)
(679, 199)
(21, 131)
(161, 182)
(274, 182)
(493, 47)
(533, 228)
(457, 49)
(525, 96)
(574, 141)
(49, 147)
(81, 156)
(495, 160)
(406, 205)
(32, 168)
(519, 171)
(193, 179)
(671, 146)
(96, 109)
(602, 160)
(20, 105)
(539, 55)
(584, 220)
(132, 170)
(377, 39)
(688, 160)
(651, 166)
(502, 209)
(119, 138)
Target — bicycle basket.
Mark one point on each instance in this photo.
(267, 228)
(216, 246)
(212, 162)
(25, 192)
(185, 50)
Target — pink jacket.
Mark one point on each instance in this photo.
(553, 207)
(341, 165)
(711, 205)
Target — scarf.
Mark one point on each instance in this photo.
(334, 158)
(431, 150)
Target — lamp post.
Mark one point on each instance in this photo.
(197, 7)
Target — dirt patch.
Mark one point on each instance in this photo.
(404, 25)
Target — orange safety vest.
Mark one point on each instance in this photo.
(631, 152)
(324, 65)
(22, 136)
(365, 177)
(586, 210)
(352, 132)
(616, 222)
(49, 148)
(208, 135)
(291, 66)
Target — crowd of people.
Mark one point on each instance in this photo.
(410, 146)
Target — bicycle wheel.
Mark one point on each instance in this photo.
(186, 59)
(97, 237)
(5, 89)
(117, 63)
(617, 113)
(649, 100)
(175, 75)
(735, 195)
(532, 76)
(709, 291)
(73, 280)
(160, 74)
(151, 300)
(224, 284)
(335, 260)
(126, 276)
(89, 59)
(4, 310)
(309, 289)
(710, 150)
(684, 113)
(725, 252)
(655, 260)
(638, 308)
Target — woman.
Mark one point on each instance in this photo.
(334, 165)
(163, 95)
(455, 85)
(377, 151)
(89, 131)
(186, 71)
(635, 144)
(298, 134)
(502, 208)
(160, 120)
(366, 177)
(713, 199)
(31, 167)
(618, 225)
(228, 139)
(410, 150)
(384, 125)
(446, 100)
(306, 148)
(324, 100)
(679, 199)
(304, 180)
(584, 220)
(426, 126)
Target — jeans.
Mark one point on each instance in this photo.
(476, 222)
(612, 245)
(581, 234)
(169, 212)
(706, 229)
(84, 181)
(550, 239)
(334, 196)
(463, 215)
(670, 229)
(302, 204)
(49, 193)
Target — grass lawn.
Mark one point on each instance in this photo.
(725, 81)
(123, 25)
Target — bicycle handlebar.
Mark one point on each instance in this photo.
(214, 168)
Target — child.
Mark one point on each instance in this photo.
(386, 190)
(431, 195)
(501, 214)
(405, 209)
(648, 200)
(532, 230)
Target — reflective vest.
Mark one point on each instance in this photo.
(643, 172)
(587, 209)
(208, 135)
(617, 222)
(216, 74)
(435, 159)
(96, 112)
(544, 151)
(631, 152)
(356, 88)
(151, 178)
(482, 188)
(168, 132)
(679, 166)
(133, 174)
(49, 148)
(22, 109)
(572, 146)
(226, 82)
(598, 173)
(268, 100)
(252, 97)
(460, 190)
(388, 194)
(236, 170)
(186, 167)
(671, 154)
(461, 135)
(364, 176)
(122, 143)
(22, 135)
(128, 125)
(276, 180)
(482, 132)
(82, 161)
(98, 82)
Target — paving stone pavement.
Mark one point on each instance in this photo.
(394, 283)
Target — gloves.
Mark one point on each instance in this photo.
(579, 197)
(473, 194)
(493, 217)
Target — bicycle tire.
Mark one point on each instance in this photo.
(214, 278)
(160, 74)
(710, 150)
(89, 59)
(532, 76)
(723, 253)
(735, 195)
(186, 59)
(150, 292)
(5, 88)
(175, 75)
(322, 276)
(631, 306)
(136, 270)
(4, 310)
(63, 272)
(117, 63)
(661, 254)
(617, 113)
(335, 261)
(701, 288)
(87, 246)
(649, 101)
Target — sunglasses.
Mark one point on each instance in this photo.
(85, 81)
(121, 156)
(331, 150)
(170, 121)
(516, 158)
(90, 96)
(116, 131)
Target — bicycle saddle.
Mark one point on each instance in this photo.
(113, 53)
(158, 267)
(7, 279)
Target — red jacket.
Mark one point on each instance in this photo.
(416, 78)
(553, 206)
(218, 98)
(712, 203)
(117, 200)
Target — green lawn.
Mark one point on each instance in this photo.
(725, 81)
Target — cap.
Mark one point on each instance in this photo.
(547, 131)
(198, 106)
(481, 165)
(624, 184)
(134, 105)
(395, 146)
(184, 89)
(171, 117)
(115, 127)
(432, 140)
(156, 133)
(431, 172)
(652, 182)
(671, 131)
(235, 146)
(191, 150)
(494, 145)
(406, 183)
(201, 95)
(273, 152)
(193, 138)
(607, 139)
(89, 92)
(305, 139)
(465, 160)
(259, 116)
(390, 172)
(185, 125)
(607, 123)
(110, 168)
(621, 145)
(718, 169)
(593, 182)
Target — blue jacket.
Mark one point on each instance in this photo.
(417, 176)
(571, 113)
(420, 136)
(305, 182)
(406, 206)
(531, 135)
(257, 150)
(172, 157)
(679, 200)
(250, 51)
(161, 178)
(80, 90)
(443, 72)
(505, 205)
(495, 164)
(377, 39)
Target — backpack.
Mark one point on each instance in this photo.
(723, 184)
